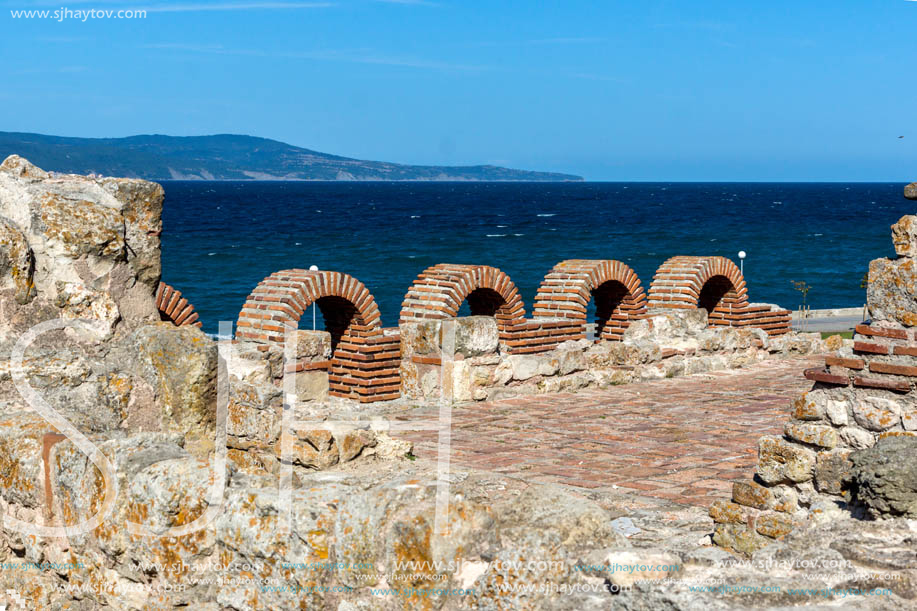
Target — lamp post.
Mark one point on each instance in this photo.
(742, 262)
(313, 268)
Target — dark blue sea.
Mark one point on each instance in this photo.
(221, 238)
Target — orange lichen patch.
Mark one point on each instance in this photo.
(247, 461)
(11, 475)
(236, 413)
(65, 503)
(172, 552)
(412, 549)
(319, 538)
(120, 386)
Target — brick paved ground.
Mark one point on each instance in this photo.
(682, 439)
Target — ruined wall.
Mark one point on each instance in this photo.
(181, 529)
(371, 364)
(716, 285)
(863, 394)
(461, 359)
(363, 364)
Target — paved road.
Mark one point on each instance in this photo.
(681, 439)
(837, 323)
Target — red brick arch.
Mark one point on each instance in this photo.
(439, 291)
(174, 308)
(567, 289)
(279, 301)
(714, 283)
(363, 363)
(717, 285)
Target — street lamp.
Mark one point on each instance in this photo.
(313, 268)
(742, 261)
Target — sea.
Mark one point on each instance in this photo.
(221, 238)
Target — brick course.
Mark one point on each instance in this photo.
(174, 308)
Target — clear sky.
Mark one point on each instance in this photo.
(611, 90)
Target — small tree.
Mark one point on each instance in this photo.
(804, 288)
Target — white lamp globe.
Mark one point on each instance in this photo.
(313, 268)
(741, 254)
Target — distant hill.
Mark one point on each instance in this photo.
(229, 157)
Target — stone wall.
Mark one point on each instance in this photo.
(462, 359)
(866, 392)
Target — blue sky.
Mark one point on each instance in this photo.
(612, 90)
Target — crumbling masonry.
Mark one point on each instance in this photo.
(370, 363)
(865, 393)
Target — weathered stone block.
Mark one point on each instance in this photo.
(311, 346)
(909, 421)
(904, 235)
(251, 365)
(857, 438)
(311, 385)
(314, 449)
(832, 470)
(476, 335)
(876, 413)
(420, 338)
(809, 406)
(892, 290)
(836, 412)
(774, 525)
(16, 262)
(179, 363)
(527, 366)
(884, 478)
(21, 475)
(570, 361)
(752, 495)
(352, 443)
(739, 538)
(664, 325)
(812, 434)
(780, 460)
(254, 413)
(724, 512)
(786, 499)
(834, 342)
(76, 230)
(248, 536)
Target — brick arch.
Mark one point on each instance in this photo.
(714, 283)
(280, 300)
(174, 308)
(363, 362)
(439, 291)
(717, 285)
(567, 289)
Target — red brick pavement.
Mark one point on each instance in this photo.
(682, 439)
